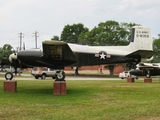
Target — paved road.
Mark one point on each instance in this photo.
(73, 78)
(30, 77)
(67, 78)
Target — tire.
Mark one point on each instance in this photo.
(60, 76)
(43, 76)
(36, 77)
(53, 77)
(9, 76)
(148, 75)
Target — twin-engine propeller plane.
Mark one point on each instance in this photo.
(146, 69)
(57, 54)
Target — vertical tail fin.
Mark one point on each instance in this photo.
(141, 42)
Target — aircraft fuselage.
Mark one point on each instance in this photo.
(35, 58)
(92, 59)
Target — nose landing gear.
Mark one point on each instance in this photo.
(9, 76)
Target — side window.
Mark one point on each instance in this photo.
(44, 69)
(35, 68)
(51, 69)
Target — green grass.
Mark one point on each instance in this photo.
(85, 100)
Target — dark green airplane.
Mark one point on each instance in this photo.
(57, 54)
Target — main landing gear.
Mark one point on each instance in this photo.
(60, 75)
(148, 75)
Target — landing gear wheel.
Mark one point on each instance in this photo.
(60, 75)
(43, 76)
(9, 76)
(148, 75)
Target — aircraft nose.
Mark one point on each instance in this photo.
(12, 56)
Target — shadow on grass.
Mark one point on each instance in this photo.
(50, 91)
(94, 75)
(38, 91)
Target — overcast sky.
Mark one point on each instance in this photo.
(48, 17)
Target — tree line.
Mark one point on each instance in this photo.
(105, 34)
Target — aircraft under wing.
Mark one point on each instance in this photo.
(148, 66)
(146, 69)
(58, 51)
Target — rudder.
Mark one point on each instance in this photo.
(141, 42)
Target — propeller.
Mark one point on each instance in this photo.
(14, 61)
(12, 57)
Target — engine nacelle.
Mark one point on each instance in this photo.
(145, 72)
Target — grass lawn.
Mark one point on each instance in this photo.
(85, 100)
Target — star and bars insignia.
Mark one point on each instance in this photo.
(102, 55)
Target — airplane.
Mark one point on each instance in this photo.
(58, 54)
(146, 69)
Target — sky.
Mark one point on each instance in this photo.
(48, 17)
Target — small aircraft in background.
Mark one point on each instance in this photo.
(58, 54)
(146, 69)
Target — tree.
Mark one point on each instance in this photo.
(112, 33)
(156, 49)
(55, 38)
(108, 33)
(89, 37)
(5, 51)
(71, 33)
(128, 28)
(111, 69)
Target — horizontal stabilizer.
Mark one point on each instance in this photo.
(142, 53)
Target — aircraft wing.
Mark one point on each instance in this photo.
(148, 66)
(59, 52)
